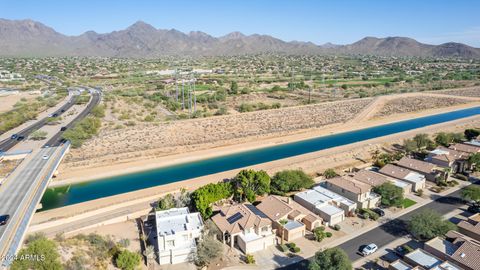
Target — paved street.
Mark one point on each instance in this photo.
(391, 230)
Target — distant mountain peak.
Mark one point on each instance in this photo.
(141, 25)
(142, 40)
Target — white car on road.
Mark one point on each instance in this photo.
(45, 157)
(369, 249)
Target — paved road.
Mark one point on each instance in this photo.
(8, 143)
(56, 140)
(391, 230)
(14, 190)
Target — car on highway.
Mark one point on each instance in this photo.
(14, 136)
(63, 128)
(20, 138)
(45, 157)
(4, 219)
(369, 249)
(379, 211)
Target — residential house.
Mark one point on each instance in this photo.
(428, 169)
(375, 179)
(298, 218)
(461, 250)
(449, 158)
(354, 190)
(470, 227)
(417, 180)
(421, 258)
(331, 207)
(246, 226)
(465, 147)
(177, 233)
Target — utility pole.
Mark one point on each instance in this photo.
(176, 86)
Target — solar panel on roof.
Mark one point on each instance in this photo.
(234, 218)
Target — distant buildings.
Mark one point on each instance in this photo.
(7, 76)
(375, 179)
(178, 231)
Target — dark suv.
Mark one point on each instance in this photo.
(4, 219)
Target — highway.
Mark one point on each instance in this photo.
(389, 231)
(56, 140)
(8, 143)
(23, 189)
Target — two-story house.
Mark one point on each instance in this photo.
(177, 233)
(296, 217)
(246, 226)
(354, 190)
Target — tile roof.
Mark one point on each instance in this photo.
(467, 148)
(468, 253)
(349, 184)
(416, 165)
(276, 207)
(395, 171)
(238, 217)
(371, 178)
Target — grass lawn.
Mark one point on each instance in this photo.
(407, 203)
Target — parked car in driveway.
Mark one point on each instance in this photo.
(369, 249)
(474, 209)
(4, 219)
(379, 211)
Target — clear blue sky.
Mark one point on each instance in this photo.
(341, 22)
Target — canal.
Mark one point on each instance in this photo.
(77, 193)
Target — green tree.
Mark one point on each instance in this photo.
(250, 183)
(203, 197)
(444, 139)
(409, 146)
(429, 224)
(290, 180)
(391, 194)
(319, 233)
(422, 141)
(474, 161)
(329, 259)
(208, 248)
(471, 133)
(45, 249)
(330, 173)
(98, 111)
(127, 260)
(166, 202)
(471, 193)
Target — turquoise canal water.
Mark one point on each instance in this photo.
(62, 196)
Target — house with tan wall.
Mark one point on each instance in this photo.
(297, 218)
(245, 226)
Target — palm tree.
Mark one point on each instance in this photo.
(149, 253)
(282, 223)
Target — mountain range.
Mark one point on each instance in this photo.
(141, 40)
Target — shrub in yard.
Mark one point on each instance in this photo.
(295, 249)
(461, 177)
(367, 213)
(328, 234)
(291, 245)
(420, 192)
(336, 227)
(283, 248)
(249, 259)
